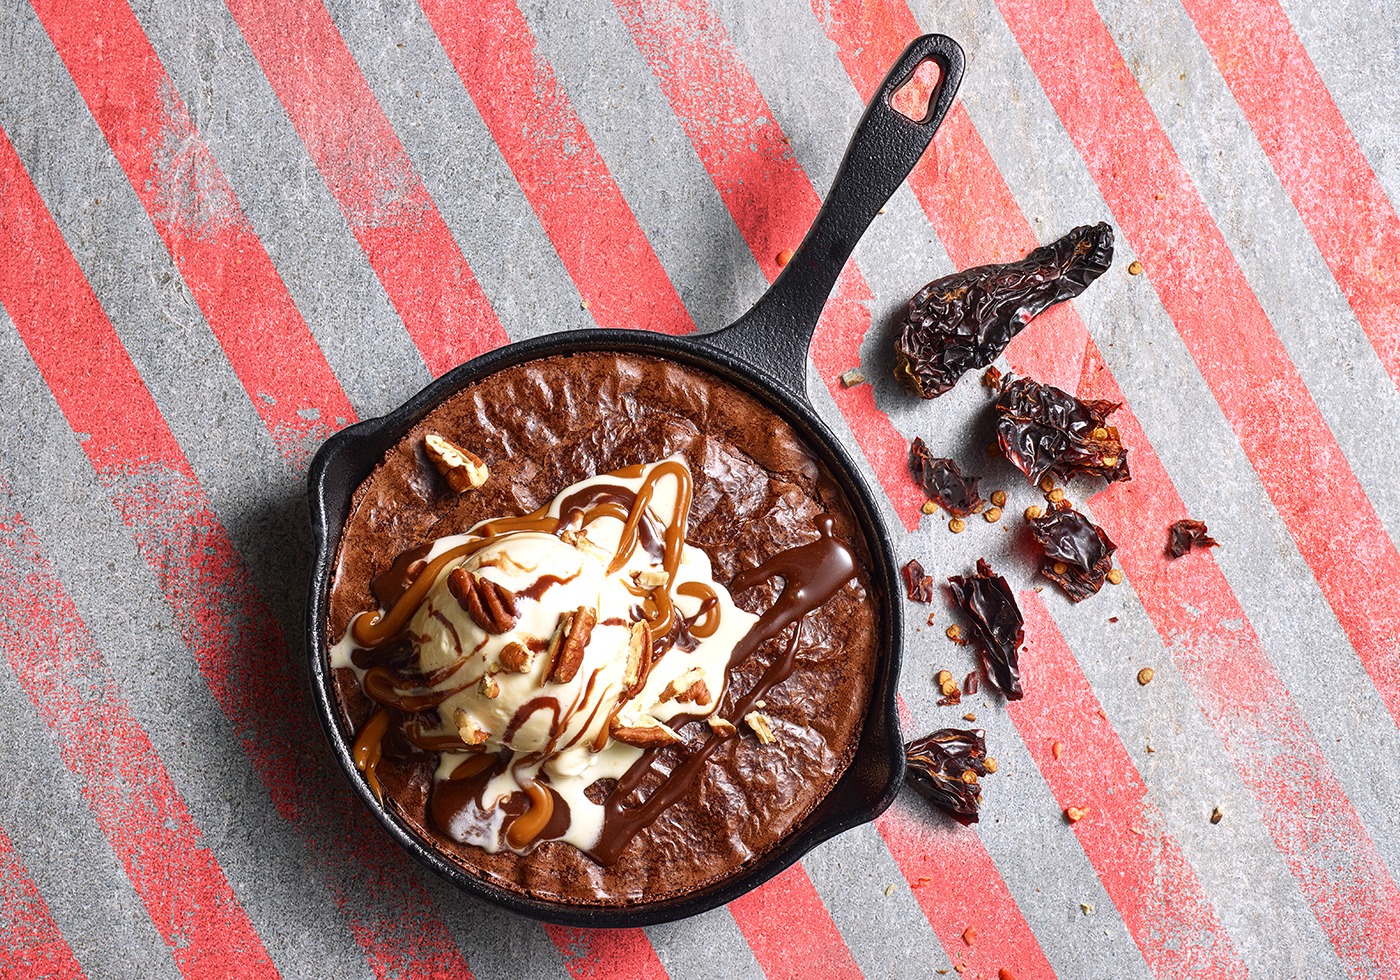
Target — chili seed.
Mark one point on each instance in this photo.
(957, 525)
(929, 507)
(1047, 483)
(1032, 512)
(784, 257)
(969, 776)
(970, 717)
(991, 764)
(1145, 676)
(1135, 268)
(1114, 576)
(943, 677)
(953, 632)
(1074, 814)
(992, 515)
(999, 498)
(1057, 495)
(948, 689)
(1059, 568)
(1057, 749)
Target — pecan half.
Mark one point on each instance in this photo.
(643, 732)
(490, 604)
(566, 649)
(463, 470)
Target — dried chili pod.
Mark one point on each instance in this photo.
(1046, 431)
(943, 482)
(917, 584)
(963, 321)
(996, 623)
(935, 766)
(1078, 554)
(1187, 534)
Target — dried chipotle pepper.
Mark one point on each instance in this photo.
(1046, 431)
(943, 482)
(996, 623)
(917, 584)
(1078, 554)
(1187, 534)
(963, 321)
(939, 765)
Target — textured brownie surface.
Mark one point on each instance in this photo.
(545, 424)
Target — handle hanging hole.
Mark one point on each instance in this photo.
(914, 99)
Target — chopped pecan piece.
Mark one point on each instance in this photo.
(642, 732)
(468, 730)
(566, 649)
(652, 578)
(758, 722)
(688, 688)
(638, 660)
(463, 470)
(721, 726)
(515, 657)
(489, 687)
(490, 604)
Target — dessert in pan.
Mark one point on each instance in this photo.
(631, 660)
(604, 624)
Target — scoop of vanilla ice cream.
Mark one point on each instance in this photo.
(549, 578)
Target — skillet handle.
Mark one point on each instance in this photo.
(774, 335)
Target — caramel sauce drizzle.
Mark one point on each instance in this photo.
(369, 749)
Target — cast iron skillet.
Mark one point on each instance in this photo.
(764, 353)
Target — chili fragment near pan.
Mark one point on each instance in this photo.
(764, 353)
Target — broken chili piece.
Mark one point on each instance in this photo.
(943, 482)
(996, 623)
(917, 584)
(1078, 554)
(1187, 534)
(937, 764)
(963, 321)
(1046, 431)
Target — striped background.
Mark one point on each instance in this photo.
(229, 229)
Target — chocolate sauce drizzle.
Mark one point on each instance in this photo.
(811, 574)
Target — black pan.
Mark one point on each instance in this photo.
(764, 353)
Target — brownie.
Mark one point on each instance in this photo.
(759, 490)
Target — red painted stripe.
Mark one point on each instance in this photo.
(557, 165)
(790, 931)
(771, 200)
(957, 885)
(33, 945)
(1219, 655)
(718, 101)
(197, 216)
(365, 166)
(137, 807)
(605, 954)
(1141, 865)
(233, 636)
(1315, 156)
(1201, 286)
